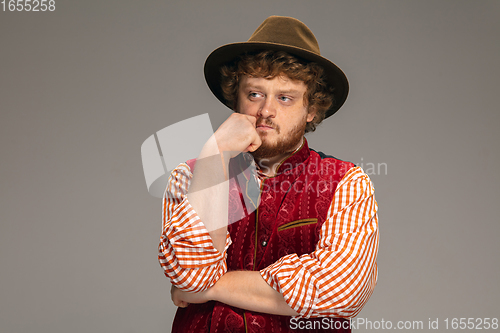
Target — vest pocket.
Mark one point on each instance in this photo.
(297, 223)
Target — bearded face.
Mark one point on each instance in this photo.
(280, 109)
(283, 143)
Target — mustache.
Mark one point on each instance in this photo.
(266, 122)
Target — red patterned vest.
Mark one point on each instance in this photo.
(287, 219)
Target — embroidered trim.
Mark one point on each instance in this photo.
(257, 228)
(245, 321)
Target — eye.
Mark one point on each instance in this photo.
(285, 99)
(254, 95)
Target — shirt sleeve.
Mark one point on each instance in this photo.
(336, 279)
(186, 251)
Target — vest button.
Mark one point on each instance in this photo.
(264, 243)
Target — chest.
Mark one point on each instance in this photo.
(280, 216)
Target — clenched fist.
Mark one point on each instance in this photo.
(238, 134)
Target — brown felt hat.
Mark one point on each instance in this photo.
(278, 33)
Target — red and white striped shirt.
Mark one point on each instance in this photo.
(335, 280)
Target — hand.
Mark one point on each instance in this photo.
(182, 298)
(238, 134)
(176, 295)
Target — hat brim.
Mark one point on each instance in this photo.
(227, 53)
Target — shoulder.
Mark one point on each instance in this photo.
(328, 158)
(330, 162)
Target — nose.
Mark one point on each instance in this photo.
(268, 108)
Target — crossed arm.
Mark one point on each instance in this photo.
(242, 289)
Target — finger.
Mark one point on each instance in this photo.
(255, 144)
(251, 148)
(181, 304)
(252, 119)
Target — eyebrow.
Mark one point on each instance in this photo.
(290, 91)
(257, 87)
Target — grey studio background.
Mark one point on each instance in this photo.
(83, 86)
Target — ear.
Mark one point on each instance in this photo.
(311, 113)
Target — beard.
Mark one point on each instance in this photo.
(285, 144)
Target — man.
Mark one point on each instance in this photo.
(305, 235)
